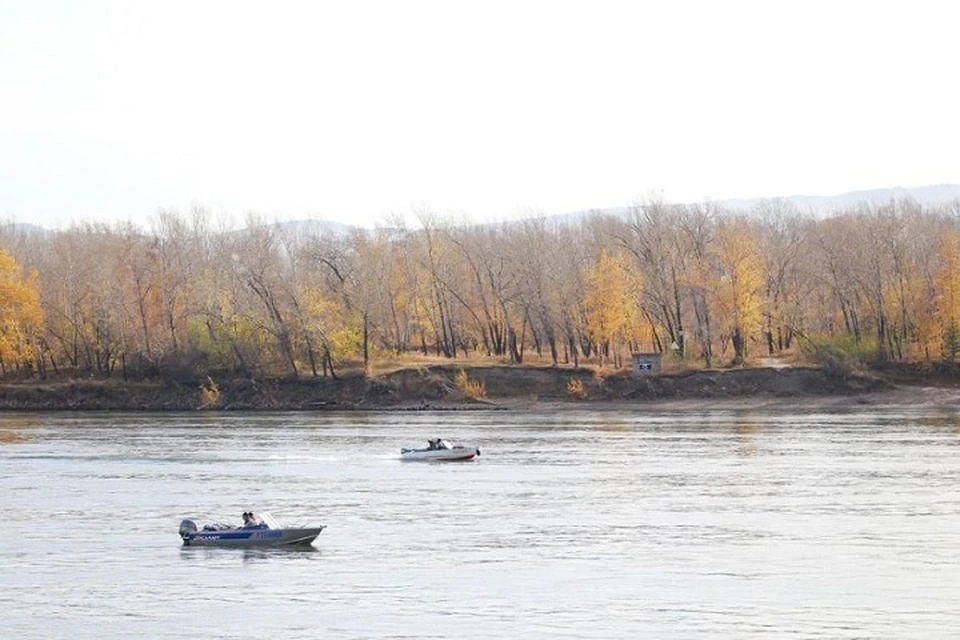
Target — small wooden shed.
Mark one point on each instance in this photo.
(647, 362)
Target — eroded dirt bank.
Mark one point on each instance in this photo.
(505, 387)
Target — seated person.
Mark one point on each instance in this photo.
(252, 521)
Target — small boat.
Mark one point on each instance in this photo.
(439, 450)
(257, 531)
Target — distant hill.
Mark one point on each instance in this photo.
(928, 195)
(300, 231)
(12, 229)
(931, 195)
(313, 228)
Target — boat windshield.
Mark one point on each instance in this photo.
(269, 520)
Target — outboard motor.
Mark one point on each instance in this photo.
(187, 527)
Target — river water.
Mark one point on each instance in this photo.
(575, 524)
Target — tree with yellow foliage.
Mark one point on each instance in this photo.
(21, 316)
(947, 294)
(740, 285)
(612, 304)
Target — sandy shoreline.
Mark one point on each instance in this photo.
(901, 396)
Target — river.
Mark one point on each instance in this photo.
(577, 524)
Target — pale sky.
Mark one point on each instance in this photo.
(353, 110)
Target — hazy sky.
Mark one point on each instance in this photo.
(351, 110)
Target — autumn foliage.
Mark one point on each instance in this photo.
(21, 317)
(703, 286)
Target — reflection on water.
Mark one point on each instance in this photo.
(219, 554)
(572, 524)
(20, 420)
(9, 437)
(748, 426)
(17, 427)
(948, 419)
(614, 426)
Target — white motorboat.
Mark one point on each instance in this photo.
(440, 450)
(257, 531)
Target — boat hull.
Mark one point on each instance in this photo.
(456, 454)
(252, 537)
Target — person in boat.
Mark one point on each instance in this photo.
(250, 520)
(432, 444)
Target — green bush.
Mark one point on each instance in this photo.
(838, 356)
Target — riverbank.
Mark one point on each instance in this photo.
(446, 387)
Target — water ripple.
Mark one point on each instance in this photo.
(576, 525)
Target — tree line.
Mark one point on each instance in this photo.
(694, 282)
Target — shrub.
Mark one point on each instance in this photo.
(576, 389)
(837, 357)
(471, 388)
(209, 394)
(600, 376)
